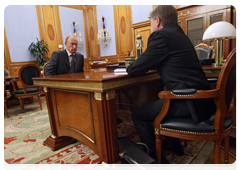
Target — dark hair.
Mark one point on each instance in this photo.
(166, 13)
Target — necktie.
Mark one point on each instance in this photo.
(72, 69)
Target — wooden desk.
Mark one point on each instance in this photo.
(212, 70)
(82, 106)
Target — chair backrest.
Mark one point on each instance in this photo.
(27, 72)
(44, 69)
(227, 81)
(204, 51)
(6, 73)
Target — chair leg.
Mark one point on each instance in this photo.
(158, 148)
(21, 103)
(226, 150)
(217, 152)
(39, 99)
(5, 108)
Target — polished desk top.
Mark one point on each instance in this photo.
(101, 79)
(97, 80)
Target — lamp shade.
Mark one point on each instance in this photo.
(219, 30)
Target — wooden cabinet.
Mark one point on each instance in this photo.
(195, 19)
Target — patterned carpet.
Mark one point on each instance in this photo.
(24, 134)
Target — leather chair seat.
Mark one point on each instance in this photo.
(28, 90)
(188, 124)
(7, 86)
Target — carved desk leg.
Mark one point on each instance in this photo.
(54, 142)
(107, 114)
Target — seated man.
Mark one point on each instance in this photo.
(172, 54)
(66, 61)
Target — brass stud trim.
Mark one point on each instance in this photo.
(188, 95)
(189, 132)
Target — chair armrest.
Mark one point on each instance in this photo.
(212, 80)
(184, 92)
(181, 94)
(14, 83)
(189, 94)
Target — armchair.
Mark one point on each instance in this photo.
(5, 98)
(205, 51)
(217, 128)
(26, 73)
(44, 69)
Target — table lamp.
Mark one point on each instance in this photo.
(218, 32)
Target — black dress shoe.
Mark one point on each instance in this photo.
(178, 150)
(175, 146)
(119, 121)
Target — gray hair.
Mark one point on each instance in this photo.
(69, 37)
(166, 13)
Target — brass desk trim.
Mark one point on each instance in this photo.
(99, 86)
(212, 72)
(104, 86)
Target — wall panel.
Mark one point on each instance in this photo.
(92, 29)
(50, 24)
(124, 25)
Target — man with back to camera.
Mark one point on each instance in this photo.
(66, 61)
(172, 54)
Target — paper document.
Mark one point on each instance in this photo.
(120, 70)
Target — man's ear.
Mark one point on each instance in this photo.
(158, 22)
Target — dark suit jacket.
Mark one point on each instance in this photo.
(59, 63)
(172, 54)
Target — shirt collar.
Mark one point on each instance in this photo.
(69, 54)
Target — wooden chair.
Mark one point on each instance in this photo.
(5, 100)
(204, 51)
(26, 73)
(217, 128)
(44, 69)
(6, 84)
